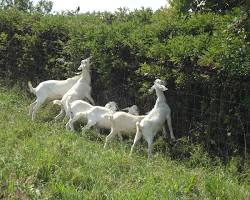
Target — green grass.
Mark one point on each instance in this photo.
(41, 160)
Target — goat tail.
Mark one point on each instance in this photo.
(32, 90)
(57, 102)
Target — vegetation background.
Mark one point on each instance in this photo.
(201, 49)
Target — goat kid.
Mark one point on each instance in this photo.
(132, 110)
(79, 106)
(96, 116)
(122, 123)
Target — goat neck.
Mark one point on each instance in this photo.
(160, 96)
(85, 76)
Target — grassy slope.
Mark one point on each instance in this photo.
(41, 160)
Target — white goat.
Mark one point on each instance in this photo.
(155, 119)
(80, 90)
(48, 91)
(96, 116)
(122, 122)
(79, 106)
(132, 110)
(125, 123)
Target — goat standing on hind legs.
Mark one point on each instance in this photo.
(155, 119)
(80, 90)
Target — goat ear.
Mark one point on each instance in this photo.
(79, 68)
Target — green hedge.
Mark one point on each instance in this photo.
(204, 57)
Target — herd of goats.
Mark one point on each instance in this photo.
(73, 90)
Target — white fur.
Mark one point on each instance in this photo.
(96, 116)
(132, 110)
(79, 106)
(125, 123)
(122, 122)
(80, 90)
(48, 91)
(155, 119)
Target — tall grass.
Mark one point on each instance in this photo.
(41, 160)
